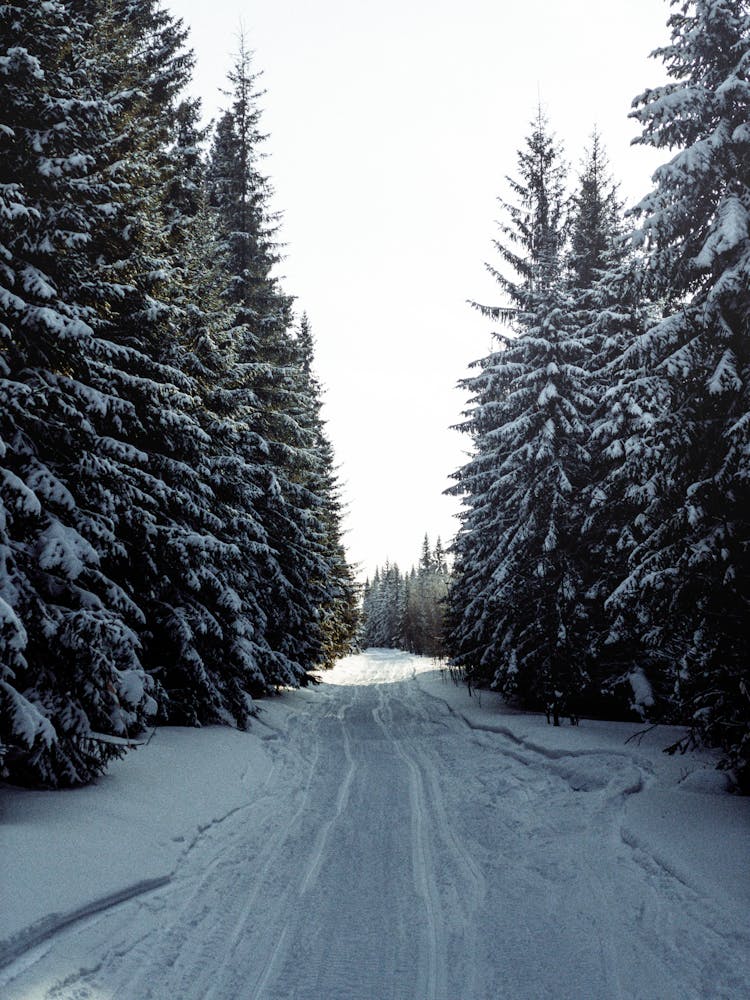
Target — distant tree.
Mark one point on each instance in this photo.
(406, 611)
(383, 608)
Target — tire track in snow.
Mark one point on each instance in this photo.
(468, 879)
(187, 947)
(470, 882)
(270, 861)
(342, 799)
(285, 910)
(423, 864)
(179, 956)
(265, 861)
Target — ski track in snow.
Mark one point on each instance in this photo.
(401, 852)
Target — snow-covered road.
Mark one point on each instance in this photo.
(395, 851)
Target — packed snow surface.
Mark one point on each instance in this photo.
(382, 836)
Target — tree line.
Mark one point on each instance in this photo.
(602, 563)
(170, 518)
(407, 610)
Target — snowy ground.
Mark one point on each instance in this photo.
(382, 836)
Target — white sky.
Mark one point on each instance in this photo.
(392, 126)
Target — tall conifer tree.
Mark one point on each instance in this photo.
(76, 658)
(286, 535)
(518, 616)
(609, 312)
(690, 568)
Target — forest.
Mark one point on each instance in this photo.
(171, 542)
(602, 565)
(407, 610)
(230, 767)
(170, 519)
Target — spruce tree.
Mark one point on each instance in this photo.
(407, 611)
(596, 223)
(518, 609)
(338, 602)
(72, 630)
(284, 538)
(610, 313)
(690, 566)
(383, 608)
(172, 556)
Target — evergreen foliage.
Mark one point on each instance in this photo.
(170, 534)
(690, 567)
(339, 605)
(407, 611)
(522, 626)
(170, 514)
(72, 628)
(611, 312)
(602, 562)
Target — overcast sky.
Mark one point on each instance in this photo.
(391, 128)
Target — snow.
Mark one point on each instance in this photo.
(130, 686)
(24, 499)
(64, 548)
(75, 851)
(28, 722)
(12, 624)
(643, 696)
(383, 834)
(730, 232)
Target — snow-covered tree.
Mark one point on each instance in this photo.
(610, 313)
(407, 610)
(518, 615)
(690, 564)
(173, 554)
(383, 608)
(285, 540)
(71, 628)
(169, 515)
(596, 222)
(426, 591)
(339, 602)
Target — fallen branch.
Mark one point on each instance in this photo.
(119, 741)
(641, 733)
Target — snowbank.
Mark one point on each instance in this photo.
(683, 816)
(70, 853)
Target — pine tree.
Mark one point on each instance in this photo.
(407, 611)
(383, 608)
(518, 596)
(610, 313)
(689, 569)
(169, 515)
(339, 603)
(173, 557)
(596, 223)
(369, 599)
(71, 629)
(284, 538)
